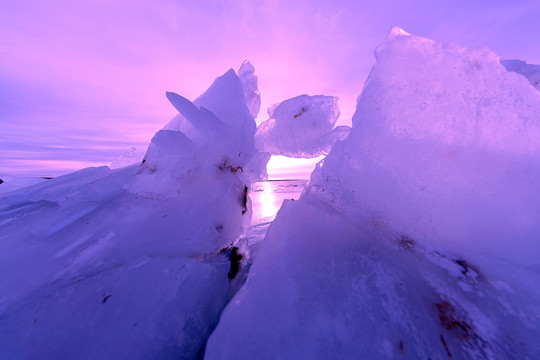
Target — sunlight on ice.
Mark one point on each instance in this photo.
(269, 205)
(267, 197)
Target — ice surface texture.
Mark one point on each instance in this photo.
(301, 127)
(411, 238)
(325, 287)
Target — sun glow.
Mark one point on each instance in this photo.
(281, 167)
(268, 202)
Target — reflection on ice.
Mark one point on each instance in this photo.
(267, 197)
(269, 206)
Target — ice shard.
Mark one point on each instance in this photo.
(247, 76)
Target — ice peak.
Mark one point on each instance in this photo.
(394, 33)
(246, 67)
(246, 74)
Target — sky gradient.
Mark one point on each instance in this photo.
(81, 82)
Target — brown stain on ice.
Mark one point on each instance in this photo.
(456, 324)
(450, 320)
(302, 111)
(407, 243)
(224, 165)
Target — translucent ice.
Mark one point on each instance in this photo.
(216, 128)
(301, 127)
(247, 76)
(130, 157)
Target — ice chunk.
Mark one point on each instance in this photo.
(445, 148)
(301, 127)
(227, 89)
(530, 71)
(247, 76)
(225, 98)
(213, 133)
(127, 263)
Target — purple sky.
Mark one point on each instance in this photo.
(83, 81)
